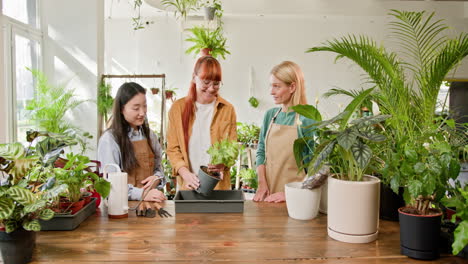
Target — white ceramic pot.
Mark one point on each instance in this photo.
(353, 209)
(302, 204)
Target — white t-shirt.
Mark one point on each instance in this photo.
(200, 140)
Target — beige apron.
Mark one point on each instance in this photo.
(280, 164)
(145, 159)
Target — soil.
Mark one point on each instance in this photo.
(414, 211)
(212, 174)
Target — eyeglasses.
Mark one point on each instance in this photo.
(208, 83)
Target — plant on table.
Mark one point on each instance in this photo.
(223, 152)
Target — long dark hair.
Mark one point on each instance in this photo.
(120, 127)
(207, 68)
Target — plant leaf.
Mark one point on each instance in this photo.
(361, 153)
(46, 214)
(308, 111)
(33, 225)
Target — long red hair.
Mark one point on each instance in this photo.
(206, 68)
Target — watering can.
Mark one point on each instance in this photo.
(117, 201)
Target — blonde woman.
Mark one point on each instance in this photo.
(276, 165)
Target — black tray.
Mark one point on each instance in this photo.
(69, 222)
(217, 202)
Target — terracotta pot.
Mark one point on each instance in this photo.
(74, 207)
(169, 94)
(205, 52)
(86, 197)
(154, 90)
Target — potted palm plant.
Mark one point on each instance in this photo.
(406, 88)
(207, 42)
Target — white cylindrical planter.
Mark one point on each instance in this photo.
(302, 204)
(353, 209)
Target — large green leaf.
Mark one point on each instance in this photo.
(46, 214)
(103, 187)
(460, 237)
(10, 226)
(361, 153)
(321, 157)
(21, 195)
(308, 111)
(34, 206)
(33, 225)
(354, 105)
(371, 136)
(298, 147)
(347, 138)
(368, 121)
(12, 150)
(6, 207)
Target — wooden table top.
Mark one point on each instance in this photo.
(262, 234)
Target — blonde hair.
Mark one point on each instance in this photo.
(289, 72)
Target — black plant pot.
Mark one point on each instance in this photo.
(207, 182)
(17, 247)
(390, 202)
(419, 235)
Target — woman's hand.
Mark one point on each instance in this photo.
(191, 180)
(148, 182)
(276, 198)
(262, 191)
(219, 168)
(155, 195)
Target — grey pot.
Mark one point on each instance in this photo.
(209, 13)
(207, 182)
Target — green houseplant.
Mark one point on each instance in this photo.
(348, 147)
(247, 134)
(210, 42)
(223, 152)
(249, 178)
(213, 9)
(49, 107)
(182, 7)
(406, 87)
(21, 205)
(459, 200)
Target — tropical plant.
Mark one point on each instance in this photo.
(253, 102)
(182, 7)
(247, 134)
(459, 200)
(21, 205)
(224, 152)
(104, 100)
(205, 38)
(49, 107)
(406, 87)
(77, 176)
(249, 178)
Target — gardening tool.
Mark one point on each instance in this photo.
(117, 202)
(148, 209)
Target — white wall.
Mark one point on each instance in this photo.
(3, 95)
(72, 40)
(261, 35)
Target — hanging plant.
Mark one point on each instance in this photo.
(204, 38)
(105, 100)
(253, 102)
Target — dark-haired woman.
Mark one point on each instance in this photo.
(130, 144)
(196, 122)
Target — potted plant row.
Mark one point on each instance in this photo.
(419, 155)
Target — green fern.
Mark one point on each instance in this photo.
(206, 38)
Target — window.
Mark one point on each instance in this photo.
(24, 11)
(23, 51)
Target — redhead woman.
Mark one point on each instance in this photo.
(197, 121)
(281, 126)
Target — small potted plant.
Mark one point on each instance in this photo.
(170, 93)
(253, 102)
(248, 134)
(249, 179)
(353, 196)
(210, 42)
(154, 90)
(223, 152)
(212, 8)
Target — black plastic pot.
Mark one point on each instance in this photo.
(419, 235)
(390, 202)
(207, 182)
(17, 247)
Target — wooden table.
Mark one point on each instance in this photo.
(262, 234)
